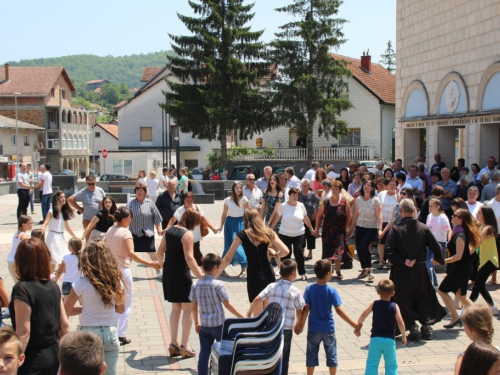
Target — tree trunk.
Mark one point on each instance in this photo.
(223, 144)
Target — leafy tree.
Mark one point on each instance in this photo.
(389, 58)
(81, 101)
(217, 73)
(110, 93)
(308, 91)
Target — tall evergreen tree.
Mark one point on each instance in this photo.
(308, 91)
(389, 58)
(218, 72)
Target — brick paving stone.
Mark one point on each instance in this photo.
(149, 323)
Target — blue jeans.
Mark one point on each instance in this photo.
(430, 267)
(208, 335)
(109, 337)
(330, 345)
(46, 198)
(287, 343)
(382, 346)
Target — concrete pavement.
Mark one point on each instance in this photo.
(149, 324)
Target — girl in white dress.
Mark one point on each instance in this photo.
(25, 224)
(56, 221)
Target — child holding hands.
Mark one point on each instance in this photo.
(386, 315)
(284, 293)
(319, 299)
(208, 295)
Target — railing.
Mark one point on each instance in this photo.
(298, 153)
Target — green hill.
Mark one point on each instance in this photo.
(84, 68)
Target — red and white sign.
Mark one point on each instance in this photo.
(104, 153)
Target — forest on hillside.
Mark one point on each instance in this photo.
(116, 69)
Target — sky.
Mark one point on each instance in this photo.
(36, 29)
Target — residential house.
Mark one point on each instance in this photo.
(95, 84)
(104, 136)
(448, 80)
(42, 96)
(25, 145)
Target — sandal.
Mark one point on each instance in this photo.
(380, 265)
(242, 275)
(224, 273)
(370, 277)
(339, 276)
(303, 277)
(363, 274)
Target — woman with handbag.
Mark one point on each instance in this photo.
(199, 231)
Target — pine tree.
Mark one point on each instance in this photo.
(217, 74)
(308, 91)
(389, 58)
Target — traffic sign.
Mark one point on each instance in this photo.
(36, 156)
(104, 153)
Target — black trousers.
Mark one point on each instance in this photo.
(24, 201)
(480, 283)
(295, 244)
(309, 239)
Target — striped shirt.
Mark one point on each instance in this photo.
(209, 293)
(288, 296)
(145, 217)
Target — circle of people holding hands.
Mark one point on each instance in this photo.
(419, 220)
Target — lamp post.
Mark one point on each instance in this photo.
(93, 143)
(17, 131)
(177, 153)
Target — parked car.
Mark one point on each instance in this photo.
(64, 172)
(83, 174)
(279, 168)
(108, 177)
(197, 173)
(240, 172)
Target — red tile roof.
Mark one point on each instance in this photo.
(97, 90)
(148, 73)
(380, 82)
(97, 81)
(116, 107)
(111, 129)
(135, 89)
(32, 80)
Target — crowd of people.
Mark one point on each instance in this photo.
(413, 220)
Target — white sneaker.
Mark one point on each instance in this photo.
(160, 276)
(494, 310)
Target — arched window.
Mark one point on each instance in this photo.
(80, 118)
(70, 141)
(75, 141)
(85, 142)
(64, 115)
(64, 141)
(80, 142)
(69, 117)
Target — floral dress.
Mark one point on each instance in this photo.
(270, 205)
(334, 236)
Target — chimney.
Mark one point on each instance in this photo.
(366, 63)
(7, 72)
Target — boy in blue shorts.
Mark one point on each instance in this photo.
(386, 315)
(320, 298)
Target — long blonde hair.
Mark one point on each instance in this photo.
(256, 228)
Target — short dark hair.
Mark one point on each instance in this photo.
(210, 261)
(322, 267)
(293, 191)
(7, 334)
(90, 177)
(141, 187)
(290, 171)
(47, 167)
(190, 219)
(122, 213)
(401, 176)
(165, 170)
(287, 267)
(385, 287)
(81, 353)
(437, 190)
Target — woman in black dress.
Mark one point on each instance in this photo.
(344, 178)
(37, 309)
(464, 239)
(102, 221)
(256, 241)
(178, 262)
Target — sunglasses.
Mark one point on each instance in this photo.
(91, 184)
(403, 194)
(250, 179)
(454, 215)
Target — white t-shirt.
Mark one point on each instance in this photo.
(388, 203)
(196, 231)
(292, 219)
(72, 271)
(233, 209)
(163, 182)
(333, 175)
(495, 206)
(13, 248)
(438, 225)
(94, 313)
(47, 182)
(473, 209)
(153, 185)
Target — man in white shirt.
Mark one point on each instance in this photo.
(164, 179)
(262, 182)
(23, 190)
(45, 185)
(293, 181)
(378, 167)
(252, 193)
(172, 176)
(311, 173)
(283, 179)
(490, 167)
(401, 179)
(416, 183)
(331, 172)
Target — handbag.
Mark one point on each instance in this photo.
(203, 225)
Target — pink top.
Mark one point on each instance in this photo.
(115, 239)
(317, 185)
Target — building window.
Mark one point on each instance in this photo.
(26, 140)
(146, 134)
(63, 94)
(75, 142)
(127, 166)
(191, 163)
(121, 166)
(52, 94)
(70, 141)
(352, 138)
(12, 139)
(97, 134)
(64, 141)
(53, 140)
(80, 142)
(292, 138)
(85, 142)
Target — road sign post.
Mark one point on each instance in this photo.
(104, 154)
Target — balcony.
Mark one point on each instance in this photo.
(300, 154)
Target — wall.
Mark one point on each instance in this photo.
(8, 149)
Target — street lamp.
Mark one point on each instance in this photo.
(93, 143)
(177, 154)
(17, 131)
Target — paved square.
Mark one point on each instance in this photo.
(149, 324)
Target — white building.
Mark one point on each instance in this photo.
(104, 137)
(26, 144)
(448, 80)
